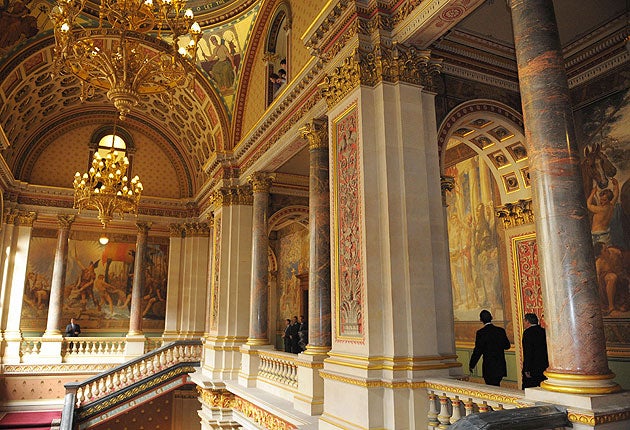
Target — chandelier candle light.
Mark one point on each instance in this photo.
(106, 188)
(134, 51)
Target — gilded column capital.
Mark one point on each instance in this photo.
(26, 218)
(447, 183)
(176, 230)
(316, 132)
(197, 229)
(10, 216)
(241, 195)
(341, 81)
(211, 220)
(515, 214)
(143, 227)
(65, 221)
(260, 181)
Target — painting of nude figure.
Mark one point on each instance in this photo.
(98, 284)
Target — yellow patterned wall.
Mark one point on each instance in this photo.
(303, 12)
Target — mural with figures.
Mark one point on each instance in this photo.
(97, 290)
(604, 138)
(473, 241)
(293, 259)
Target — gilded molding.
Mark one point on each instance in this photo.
(593, 420)
(483, 395)
(65, 221)
(216, 398)
(26, 218)
(241, 195)
(341, 82)
(316, 132)
(38, 369)
(260, 182)
(515, 214)
(211, 220)
(197, 229)
(176, 230)
(371, 383)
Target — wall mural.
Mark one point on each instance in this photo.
(604, 138)
(97, 290)
(473, 242)
(293, 259)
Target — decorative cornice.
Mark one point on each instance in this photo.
(197, 229)
(316, 132)
(515, 214)
(54, 369)
(176, 230)
(260, 181)
(241, 195)
(398, 63)
(65, 221)
(372, 383)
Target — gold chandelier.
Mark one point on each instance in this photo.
(135, 50)
(106, 188)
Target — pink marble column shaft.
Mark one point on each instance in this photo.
(259, 314)
(53, 323)
(575, 332)
(135, 313)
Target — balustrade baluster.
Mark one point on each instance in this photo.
(445, 416)
(433, 414)
(484, 407)
(469, 406)
(457, 412)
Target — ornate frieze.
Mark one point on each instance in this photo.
(316, 132)
(260, 181)
(515, 214)
(398, 63)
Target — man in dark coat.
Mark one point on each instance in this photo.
(73, 329)
(287, 336)
(535, 360)
(490, 342)
(295, 336)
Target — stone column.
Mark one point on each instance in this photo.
(173, 292)
(319, 335)
(259, 302)
(53, 325)
(575, 333)
(135, 338)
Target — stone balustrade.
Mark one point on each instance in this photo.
(30, 347)
(450, 400)
(279, 367)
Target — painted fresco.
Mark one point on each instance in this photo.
(97, 290)
(473, 242)
(293, 259)
(19, 21)
(604, 136)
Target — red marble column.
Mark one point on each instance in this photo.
(259, 302)
(319, 306)
(135, 313)
(575, 331)
(53, 323)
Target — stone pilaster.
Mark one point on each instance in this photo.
(175, 266)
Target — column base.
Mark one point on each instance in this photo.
(580, 384)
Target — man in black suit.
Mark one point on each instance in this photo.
(535, 360)
(490, 343)
(287, 336)
(73, 329)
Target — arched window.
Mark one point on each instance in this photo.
(107, 137)
(277, 51)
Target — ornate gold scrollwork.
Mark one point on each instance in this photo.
(515, 214)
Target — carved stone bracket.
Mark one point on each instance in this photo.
(515, 214)
(316, 132)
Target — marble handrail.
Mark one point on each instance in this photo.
(451, 399)
(278, 366)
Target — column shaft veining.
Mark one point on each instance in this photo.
(577, 353)
(319, 306)
(259, 303)
(60, 264)
(135, 317)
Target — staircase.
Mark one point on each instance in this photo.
(35, 420)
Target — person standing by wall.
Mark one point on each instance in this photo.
(535, 360)
(73, 329)
(490, 342)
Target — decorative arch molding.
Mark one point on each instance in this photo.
(494, 132)
(289, 215)
(282, 11)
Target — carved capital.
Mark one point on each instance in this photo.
(341, 82)
(143, 227)
(10, 216)
(316, 132)
(241, 195)
(515, 214)
(26, 218)
(447, 183)
(211, 220)
(197, 229)
(260, 181)
(65, 221)
(175, 230)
